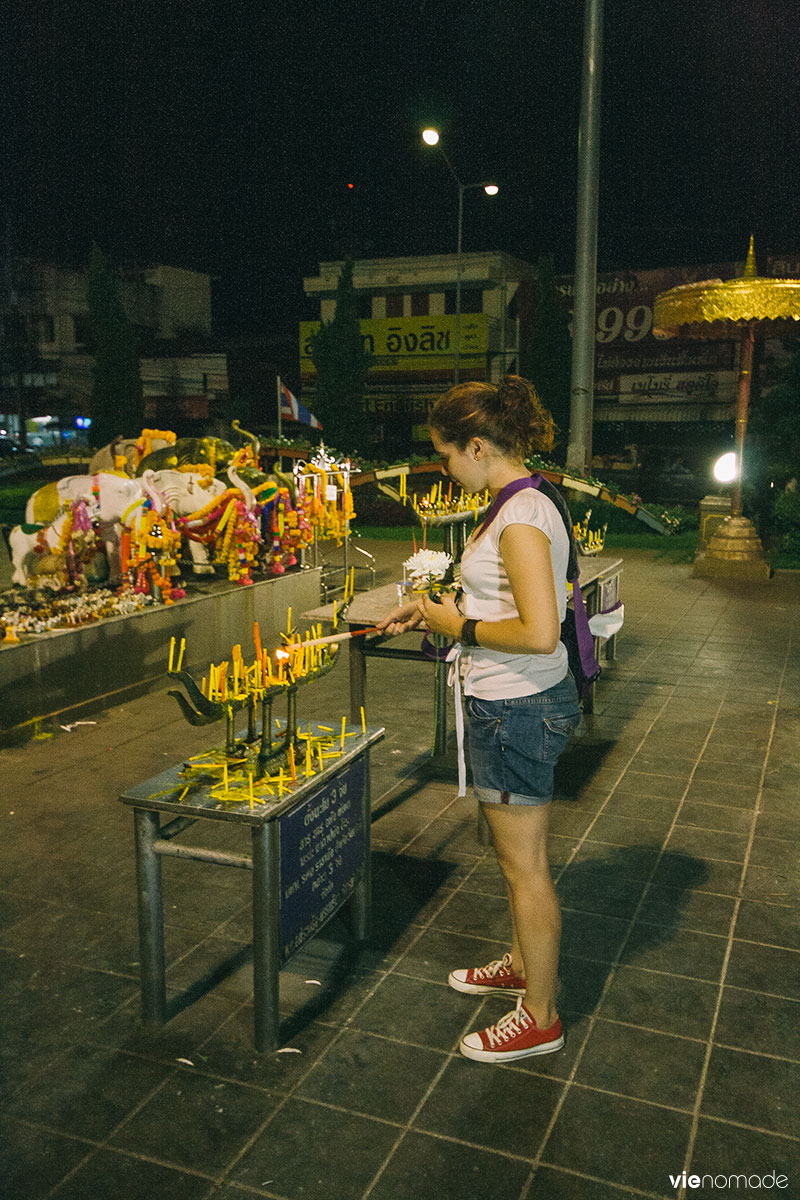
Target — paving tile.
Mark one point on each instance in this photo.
(32, 1161)
(767, 851)
(581, 983)
(616, 1139)
(628, 831)
(482, 916)
(196, 1121)
(773, 924)
(739, 1084)
(642, 1064)
(650, 808)
(708, 843)
(430, 1168)
(715, 816)
(418, 1012)
(711, 791)
(473, 1103)
(353, 1074)
(87, 1091)
(772, 884)
(779, 825)
(724, 1151)
(111, 1173)
(230, 1054)
(590, 935)
(311, 1151)
(753, 1021)
(585, 888)
(626, 862)
(690, 910)
(676, 951)
(679, 870)
(550, 1183)
(764, 968)
(640, 783)
(660, 1002)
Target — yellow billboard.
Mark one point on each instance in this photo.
(412, 343)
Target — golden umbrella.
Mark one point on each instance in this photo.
(738, 309)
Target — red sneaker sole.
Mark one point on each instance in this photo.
(495, 1056)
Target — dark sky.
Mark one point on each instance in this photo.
(222, 136)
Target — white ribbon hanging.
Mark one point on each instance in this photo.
(454, 681)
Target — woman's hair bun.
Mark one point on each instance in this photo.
(509, 414)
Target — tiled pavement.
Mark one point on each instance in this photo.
(674, 846)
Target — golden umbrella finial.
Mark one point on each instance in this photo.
(737, 309)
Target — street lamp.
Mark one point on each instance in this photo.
(431, 138)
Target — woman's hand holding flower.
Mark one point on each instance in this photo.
(441, 616)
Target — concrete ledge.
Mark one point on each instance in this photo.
(58, 673)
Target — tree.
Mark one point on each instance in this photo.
(341, 364)
(773, 433)
(117, 404)
(546, 349)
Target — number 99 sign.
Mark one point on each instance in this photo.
(633, 325)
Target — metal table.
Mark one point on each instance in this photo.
(310, 856)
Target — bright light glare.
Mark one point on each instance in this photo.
(725, 469)
(430, 136)
(491, 189)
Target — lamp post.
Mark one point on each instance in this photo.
(431, 138)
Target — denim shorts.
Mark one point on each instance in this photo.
(515, 744)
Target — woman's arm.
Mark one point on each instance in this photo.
(526, 556)
(401, 619)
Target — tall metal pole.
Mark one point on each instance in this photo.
(579, 450)
(457, 362)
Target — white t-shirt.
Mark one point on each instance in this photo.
(492, 674)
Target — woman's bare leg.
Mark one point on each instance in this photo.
(519, 834)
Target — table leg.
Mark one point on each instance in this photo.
(151, 917)
(266, 950)
(358, 680)
(361, 900)
(440, 708)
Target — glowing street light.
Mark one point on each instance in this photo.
(726, 468)
(431, 138)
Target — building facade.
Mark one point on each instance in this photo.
(410, 326)
(47, 360)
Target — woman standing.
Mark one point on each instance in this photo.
(521, 700)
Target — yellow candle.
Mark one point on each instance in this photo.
(341, 741)
(292, 767)
(363, 720)
(289, 622)
(335, 618)
(180, 653)
(203, 685)
(352, 582)
(225, 777)
(250, 780)
(171, 652)
(319, 752)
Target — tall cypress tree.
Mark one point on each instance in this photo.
(546, 352)
(117, 403)
(341, 364)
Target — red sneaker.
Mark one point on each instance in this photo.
(482, 981)
(514, 1036)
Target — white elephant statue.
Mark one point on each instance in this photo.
(39, 559)
(186, 493)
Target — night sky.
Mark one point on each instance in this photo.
(222, 136)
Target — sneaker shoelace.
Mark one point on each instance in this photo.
(494, 968)
(509, 1026)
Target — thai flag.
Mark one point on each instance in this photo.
(293, 410)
